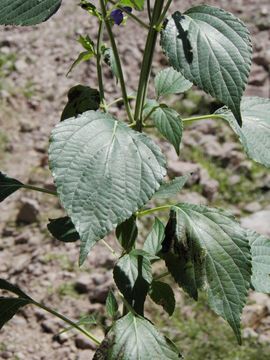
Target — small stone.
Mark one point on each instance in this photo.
(21, 66)
(258, 221)
(83, 343)
(253, 314)
(100, 292)
(26, 126)
(22, 238)
(49, 326)
(234, 180)
(249, 333)
(85, 355)
(20, 263)
(7, 231)
(83, 284)
(253, 207)
(28, 212)
(61, 338)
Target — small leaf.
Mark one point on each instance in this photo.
(90, 8)
(111, 305)
(80, 99)
(255, 131)
(162, 294)
(133, 276)
(82, 57)
(135, 338)
(171, 188)
(211, 48)
(104, 172)
(8, 186)
(87, 43)
(136, 4)
(86, 321)
(170, 81)
(260, 253)
(214, 251)
(152, 244)
(63, 229)
(109, 59)
(27, 12)
(127, 233)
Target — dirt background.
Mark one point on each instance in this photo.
(33, 87)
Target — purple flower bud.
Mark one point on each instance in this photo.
(117, 15)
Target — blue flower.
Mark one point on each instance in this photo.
(117, 15)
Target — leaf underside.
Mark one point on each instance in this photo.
(104, 172)
(27, 12)
(211, 48)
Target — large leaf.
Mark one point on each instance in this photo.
(133, 276)
(255, 131)
(170, 81)
(104, 172)
(162, 294)
(63, 229)
(260, 252)
(9, 306)
(212, 49)
(171, 188)
(8, 186)
(80, 99)
(27, 12)
(152, 244)
(214, 242)
(135, 338)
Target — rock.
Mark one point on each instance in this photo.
(99, 293)
(180, 168)
(28, 212)
(85, 355)
(8, 231)
(61, 338)
(83, 343)
(249, 333)
(234, 179)
(193, 198)
(20, 262)
(210, 186)
(26, 126)
(258, 75)
(253, 314)
(258, 222)
(253, 207)
(22, 238)
(50, 326)
(83, 284)
(21, 66)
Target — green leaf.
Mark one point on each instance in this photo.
(169, 124)
(63, 229)
(27, 12)
(127, 233)
(170, 81)
(87, 43)
(109, 59)
(162, 294)
(104, 172)
(136, 4)
(90, 8)
(80, 99)
(82, 57)
(87, 321)
(171, 188)
(211, 48)
(10, 306)
(133, 276)
(255, 131)
(260, 253)
(152, 244)
(135, 338)
(89, 46)
(211, 240)
(8, 186)
(111, 305)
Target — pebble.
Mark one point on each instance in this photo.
(258, 221)
(28, 212)
(83, 343)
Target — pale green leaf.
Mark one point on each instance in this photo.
(255, 131)
(111, 305)
(171, 188)
(135, 338)
(170, 81)
(136, 4)
(211, 48)
(104, 172)
(152, 244)
(27, 12)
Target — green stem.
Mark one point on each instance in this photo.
(150, 113)
(110, 248)
(117, 60)
(202, 117)
(161, 276)
(149, 10)
(99, 60)
(163, 15)
(35, 188)
(119, 100)
(147, 64)
(132, 16)
(150, 211)
(68, 321)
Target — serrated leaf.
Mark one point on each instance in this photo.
(171, 188)
(136, 4)
(162, 294)
(111, 305)
(260, 253)
(170, 81)
(222, 244)
(104, 172)
(135, 338)
(152, 244)
(133, 276)
(8, 186)
(127, 233)
(211, 48)
(63, 229)
(80, 99)
(255, 131)
(27, 12)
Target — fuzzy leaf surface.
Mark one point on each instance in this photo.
(211, 48)
(255, 131)
(104, 172)
(170, 81)
(171, 188)
(27, 12)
